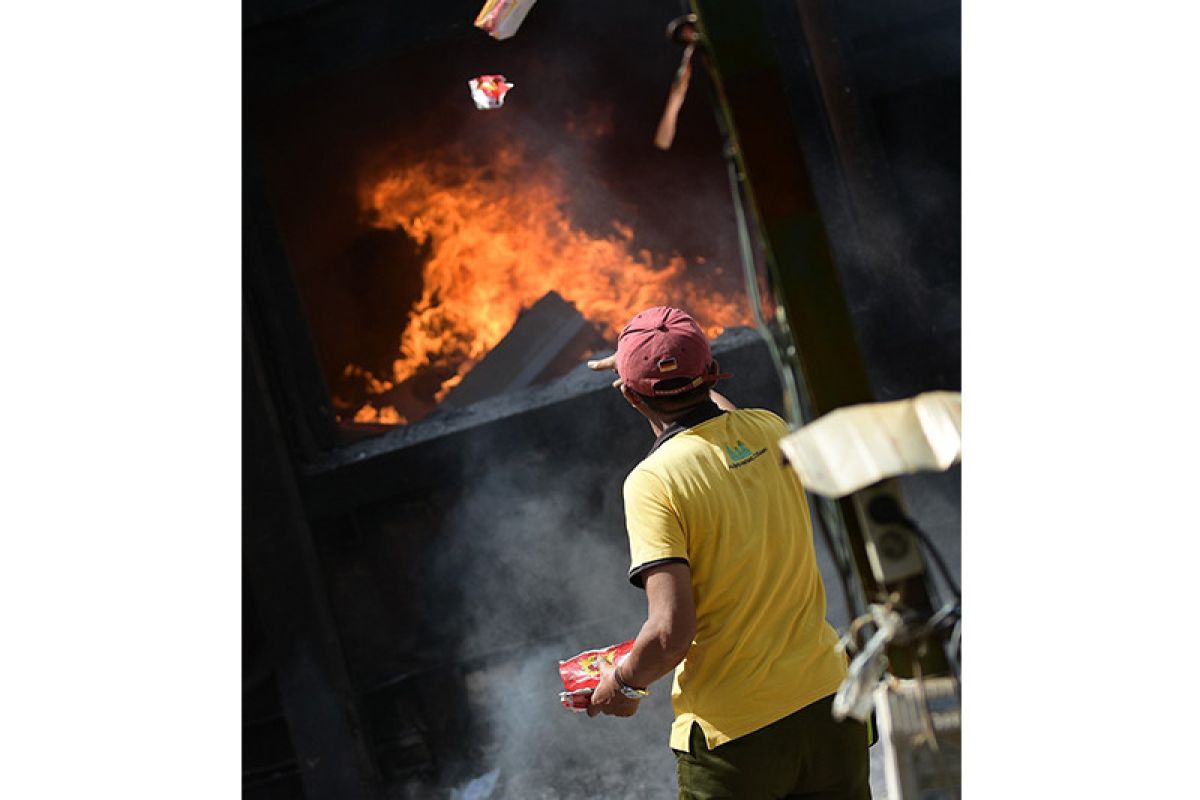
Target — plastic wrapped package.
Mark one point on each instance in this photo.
(488, 91)
(581, 674)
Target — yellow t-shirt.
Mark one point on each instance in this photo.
(718, 496)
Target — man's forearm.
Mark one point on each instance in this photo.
(660, 645)
(656, 651)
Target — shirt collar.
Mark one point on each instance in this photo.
(701, 413)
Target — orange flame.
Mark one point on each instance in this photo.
(388, 415)
(499, 240)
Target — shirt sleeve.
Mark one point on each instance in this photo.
(656, 534)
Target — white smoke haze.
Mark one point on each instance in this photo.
(537, 558)
(540, 576)
(544, 751)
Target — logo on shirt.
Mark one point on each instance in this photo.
(740, 455)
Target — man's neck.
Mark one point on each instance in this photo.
(659, 421)
(664, 430)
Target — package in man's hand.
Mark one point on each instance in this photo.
(581, 674)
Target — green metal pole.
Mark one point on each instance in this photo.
(818, 343)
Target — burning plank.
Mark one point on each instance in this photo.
(546, 341)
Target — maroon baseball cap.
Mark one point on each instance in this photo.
(662, 352)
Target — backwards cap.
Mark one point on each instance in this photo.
(662, 352)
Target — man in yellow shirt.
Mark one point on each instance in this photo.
(721, 541)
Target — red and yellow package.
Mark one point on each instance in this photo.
(576, 701)
(581, 674)
(488, 91)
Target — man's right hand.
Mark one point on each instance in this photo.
(601, 364)
(607, 697)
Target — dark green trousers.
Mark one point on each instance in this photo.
(804, 755)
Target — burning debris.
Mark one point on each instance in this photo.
(501, 241)
(546, 341)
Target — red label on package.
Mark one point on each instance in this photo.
(583, 670)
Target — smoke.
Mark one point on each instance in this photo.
(532, 563)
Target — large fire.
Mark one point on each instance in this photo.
(499, 238)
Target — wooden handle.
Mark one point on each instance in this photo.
(665, 134)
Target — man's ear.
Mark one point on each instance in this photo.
(631, 397)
